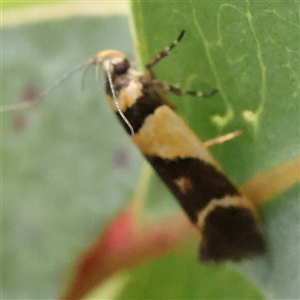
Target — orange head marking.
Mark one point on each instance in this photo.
(113, 55)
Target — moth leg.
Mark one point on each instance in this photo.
(168, 87)
(163, 53)
(223, 138)
(176, 89)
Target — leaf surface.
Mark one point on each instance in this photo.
(249, 51)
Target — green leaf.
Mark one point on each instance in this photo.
(249, 51)
(181, 277)
(67, 165)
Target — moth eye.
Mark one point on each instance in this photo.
(122, 67)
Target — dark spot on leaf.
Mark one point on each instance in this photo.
(30, 93)
(19, 122)
(120, 158)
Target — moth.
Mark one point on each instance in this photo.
(225, 219)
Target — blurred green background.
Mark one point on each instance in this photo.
(68, 168)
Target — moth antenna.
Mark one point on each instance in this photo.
(64, 78)
(45, 93)
(97, 72)
(18, 106)
(116, 102)
(84, 76)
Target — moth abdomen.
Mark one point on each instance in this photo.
(230, 232)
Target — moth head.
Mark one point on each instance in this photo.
(113, 61)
